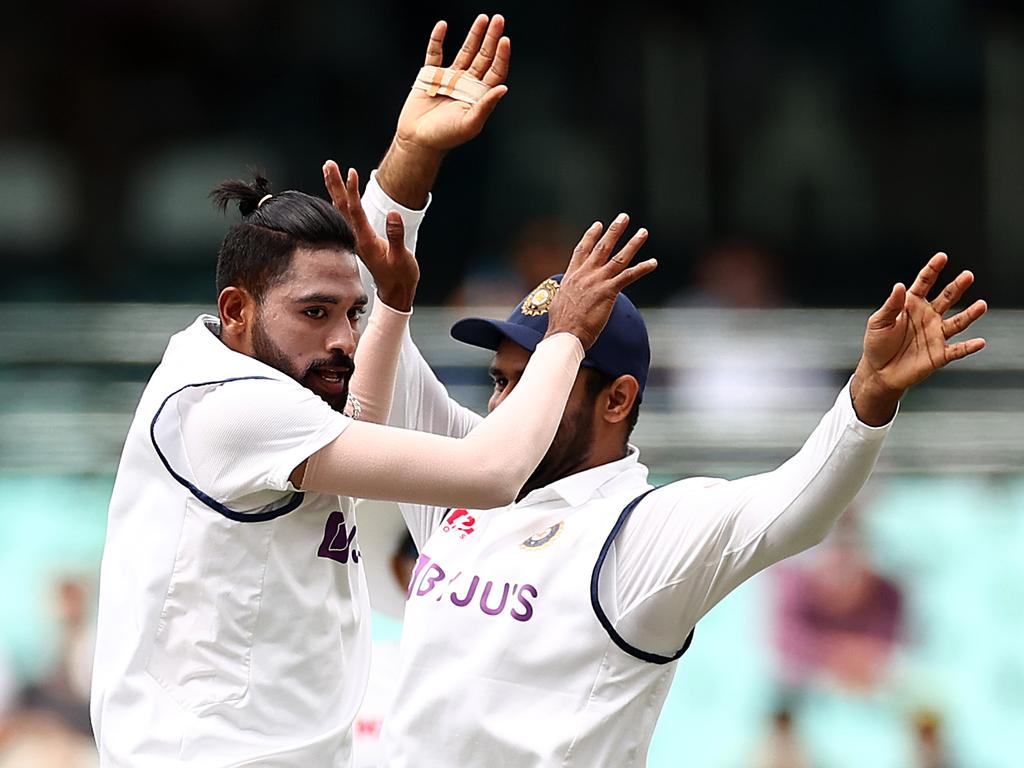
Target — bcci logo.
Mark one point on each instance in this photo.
(543, 538)
(459, 521)
(538, 302)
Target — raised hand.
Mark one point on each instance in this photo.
(392, 265)
(907, 340)
(439, 123)
(594, 278)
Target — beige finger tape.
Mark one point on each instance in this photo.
(455, 83)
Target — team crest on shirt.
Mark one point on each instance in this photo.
(543, 538)
(539, 300)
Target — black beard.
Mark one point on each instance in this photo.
(267, 352)
(569, 451)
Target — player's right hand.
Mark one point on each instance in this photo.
(393, 267)
(594, 278)
(439, 123)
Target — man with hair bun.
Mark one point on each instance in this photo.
(233, 623)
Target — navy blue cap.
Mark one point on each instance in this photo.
(622, 347)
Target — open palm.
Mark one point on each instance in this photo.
(392, 265)
(907, 339)
(440, 122)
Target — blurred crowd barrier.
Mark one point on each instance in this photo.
(731, 391)
(896, 643)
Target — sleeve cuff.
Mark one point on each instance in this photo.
(279, 479)
(389, 310)
(376, 203)
(570, 343)
(845, 402)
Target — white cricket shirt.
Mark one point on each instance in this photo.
(233, 620)
(545, 633)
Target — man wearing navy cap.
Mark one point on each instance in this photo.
(616, 365)
(546, 632)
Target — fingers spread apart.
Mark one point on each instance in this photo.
(603, 249)
(435, 47)
(585, 245)
(499, 68)
(953, 292)
(622, 259)
(346, 198)
(335, 186)
(471, 46)
(959, 322)
(886, 315)
(928, 275)
(962, 349)
(489, 48)
(594, 251)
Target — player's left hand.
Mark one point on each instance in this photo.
(392, 265)
(439, 123)
(908, 339)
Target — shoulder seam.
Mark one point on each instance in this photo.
(595, 601)
(239, 517)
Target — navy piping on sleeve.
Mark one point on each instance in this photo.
(212, 503)
(595, 601)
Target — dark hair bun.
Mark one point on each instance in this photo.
(247, 194)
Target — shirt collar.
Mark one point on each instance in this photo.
(597, 481)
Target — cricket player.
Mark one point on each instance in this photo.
(233, 615)
(546, 631)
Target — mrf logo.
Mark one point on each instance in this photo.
(459, 521)
(339, 543)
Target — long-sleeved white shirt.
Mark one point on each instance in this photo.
(742, 525)
(693, 541)
(683, 549)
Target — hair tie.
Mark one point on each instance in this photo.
(263, 200)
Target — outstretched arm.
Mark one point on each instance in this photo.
(420, 401)
(431, 123)
(487, 468)
(691, 543)
(906, 340)
(396, 275)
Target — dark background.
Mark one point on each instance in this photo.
(850, 140)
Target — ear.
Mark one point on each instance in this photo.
(237, 309)
(622, 393)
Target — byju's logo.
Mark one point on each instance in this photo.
(459, 521)
(493, 598)
(339, 543)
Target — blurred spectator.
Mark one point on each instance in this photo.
(781, 747)
(929, 746)
(380, 688)
(50, 727)
(734, 274)
(38, 740)
(8, 690)
(733, 364)
(839, 620)
(64, 692)
(542, 248)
